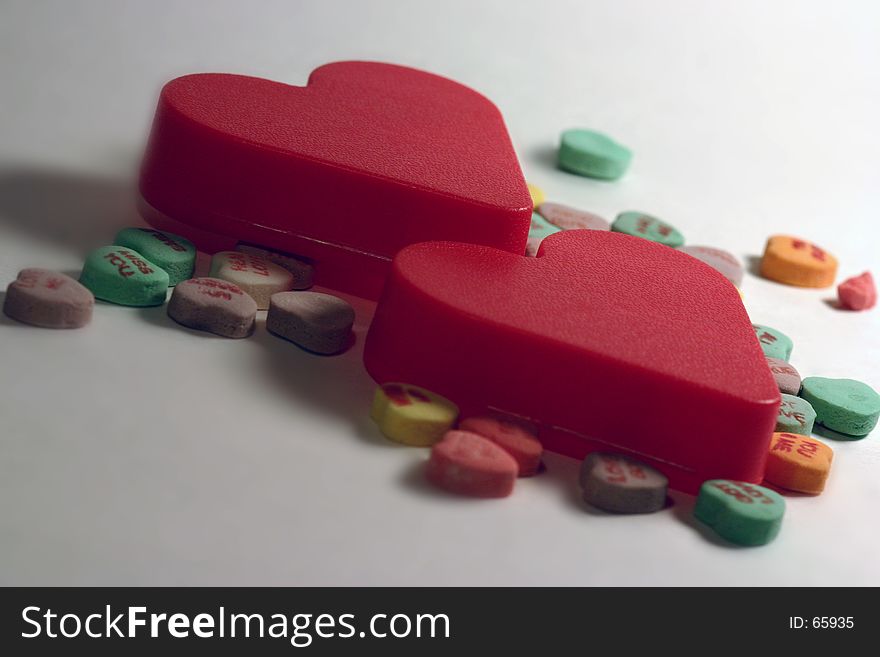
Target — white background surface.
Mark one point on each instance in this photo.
(138, 452)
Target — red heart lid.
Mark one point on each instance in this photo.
(362, 161)
(605, 340)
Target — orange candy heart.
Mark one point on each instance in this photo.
(798, 463)
(794, 261)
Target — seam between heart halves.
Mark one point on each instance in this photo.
(351, 249)
(591, 438)
(236, 220)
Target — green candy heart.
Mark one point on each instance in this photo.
(541, 228)
(124, 276)
(176, 255)
(592, 154)
(745, 514)
(775, 344)
(651, 228)
(843, 405)
(795, 416)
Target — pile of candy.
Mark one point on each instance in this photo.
(482, 456)
(741, 512)
(142, 264)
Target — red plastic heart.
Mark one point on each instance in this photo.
(363, 161)
(605, 341)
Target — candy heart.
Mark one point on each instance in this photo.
(516, 439)
(567, 218)
(739, 512)
(858, 292)
(172, 253)
(651, 228)
(469, 464)
(605, 341)
(121, 275)
(540, 228)
(318, 322)
(798, 463)
(723, 261)
(621, 485)
(774, 343)
(254, 274)
(796, 415)
(362, 161)
(788, 379)
(49, 299)
(844, 405)
(213, 305)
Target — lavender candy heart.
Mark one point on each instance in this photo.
(720, 260)
(568, 218)
(620, 484)
(318, 322)
(50, 299)
(787, 377)
(213, 305)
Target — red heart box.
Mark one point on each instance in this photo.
(346, 171)
(605, 341)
